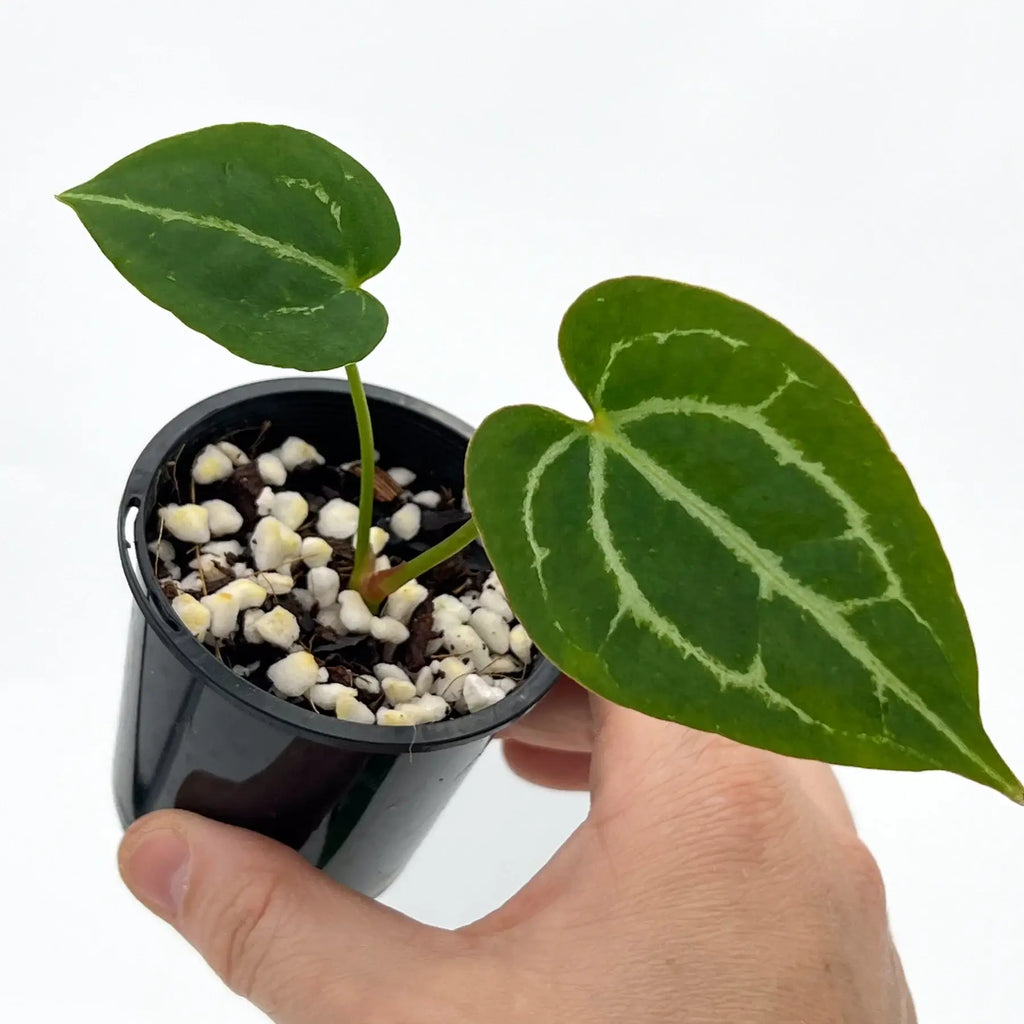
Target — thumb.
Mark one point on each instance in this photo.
(277, 931)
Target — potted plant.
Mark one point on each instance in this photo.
(320, 649)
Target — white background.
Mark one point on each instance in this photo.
(852, 168)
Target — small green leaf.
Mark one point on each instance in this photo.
(730, 543)
(257, 235)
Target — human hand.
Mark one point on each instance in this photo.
(710, 882)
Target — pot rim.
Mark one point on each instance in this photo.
(139, 495)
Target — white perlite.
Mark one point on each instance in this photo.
(355, 616)
(382, 563)
(422, 710)
(398, 691)
(405, 523)
(316, 552)
(223, 518)
(351, 709)
(424, 681)
(492, 629)
(278, 627)
(249, 621)
(330, 618)
(265, 501)
(520, 643)
(271, 469)
(273, 544)
(388, 630)
(338, 519)
(295, 452)
(290, 508)
(326, 695)
(306, 600)
(368, 684)
(385, 670)
(478, 693)
(378, 539)
(324, 585)
(194, 617)
(402, 476)
(295, 674)
(234, 453)
(223, 608)
(449, 610)
(248, 593)
(189, 523)
(276, 583)
(493, 601)
(211, 465)
(427, 499)
(405, 600)
(163, 549)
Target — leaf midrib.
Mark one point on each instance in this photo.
(342, 276)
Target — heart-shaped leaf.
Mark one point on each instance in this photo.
(730, 543)
(257, 235)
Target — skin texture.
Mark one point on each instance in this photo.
(710, 882)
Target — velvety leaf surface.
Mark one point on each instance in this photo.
(730, 543)
(259, 236)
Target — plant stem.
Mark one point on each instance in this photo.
(367, 470)
(381, 584)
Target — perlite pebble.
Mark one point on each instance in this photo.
(391, 716)
(478, 693)
(278, 627)
(378, 539)
(493, 601)
(190, 523)
(210, 568)
(192, 583)
(211, 465)
(521, 644)
(221, 548)
(428, 499)
(330, 618)
(503, 666)
(355, 616)
(325, 695)
(223, 608)
(446, 604)
(493, 583)
(384, 670)
(194, 617)
(276, 583)
(324, 584)
(397, 691)
(423, 710)
(271, 469)
(368, 684)
(248, 593)
(424, 681)
(295, 674)
(234, 453)
(388, 630)
(224, 518)
(265, 502)
(163, 549)
(290, 508)
(382, 563)
(405, 600)
(295, 452)
(402, 476)
(351, 709)
(305, 599)
(171, 571)
(338, 519)
(492, 629)
(273, 544)
(505, 685)
(249, 621)
(316, 552)
(463, 640)
(405, 523)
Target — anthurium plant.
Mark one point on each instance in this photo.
(728, 542)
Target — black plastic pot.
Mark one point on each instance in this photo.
(355, 800)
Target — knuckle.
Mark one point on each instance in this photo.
(864, 876)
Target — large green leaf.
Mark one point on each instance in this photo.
(257, 235)
(730, 543)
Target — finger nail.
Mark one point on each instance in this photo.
(156, 871)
